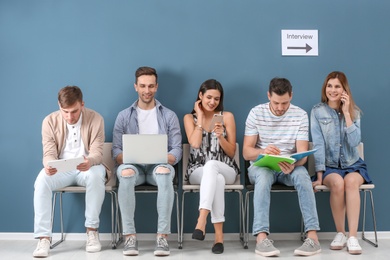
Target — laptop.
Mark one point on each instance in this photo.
(145, 148)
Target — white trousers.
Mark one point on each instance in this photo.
(212, 178)
(93, 180)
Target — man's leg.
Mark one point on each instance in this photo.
(262, 178)
(94, 181)
(300, 179)
(162, 176)
(129, 176)
(43, 193)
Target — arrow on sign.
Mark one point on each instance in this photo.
(307, 48)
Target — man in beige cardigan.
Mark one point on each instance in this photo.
(72, 131)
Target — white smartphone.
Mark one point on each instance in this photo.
(217, 118)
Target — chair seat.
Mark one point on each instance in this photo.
(150, 188)
(227, 187)
(362, 187)
(81, 189)
(274, 188)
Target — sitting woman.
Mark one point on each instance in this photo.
(211, 162)
(335, 129)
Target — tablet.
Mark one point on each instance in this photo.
(66, 165)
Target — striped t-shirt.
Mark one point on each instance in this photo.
(281, 131)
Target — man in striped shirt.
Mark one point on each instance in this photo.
(279, 128)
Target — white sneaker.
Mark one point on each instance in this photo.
(339, 241)
(353, 246)
(43, 248)
(93, 244)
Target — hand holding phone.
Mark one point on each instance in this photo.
(217, 118)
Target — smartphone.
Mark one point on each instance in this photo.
(217, 118)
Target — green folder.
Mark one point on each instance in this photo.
(271, 161)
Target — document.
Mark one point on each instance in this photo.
(272, 161)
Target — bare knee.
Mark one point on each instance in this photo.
(128, 173)
(163, 170)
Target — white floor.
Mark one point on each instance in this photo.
(75, 249)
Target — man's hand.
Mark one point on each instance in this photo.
(272, 149)
(50, 171)
(83, 167)
(286, 167)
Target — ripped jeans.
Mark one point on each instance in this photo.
(160, 175)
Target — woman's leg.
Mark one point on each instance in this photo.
(337, 199)
(352, 182)
(196, 178)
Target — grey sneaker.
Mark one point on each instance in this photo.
(266, 248)
(309, 247)
(162, 247)
(131, 246)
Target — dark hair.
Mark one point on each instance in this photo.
(69, 95)
(280, 86)
(145, 71)
(353, 108)
(211, 84)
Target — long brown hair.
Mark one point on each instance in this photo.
(354, 110)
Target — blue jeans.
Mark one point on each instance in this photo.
(165, 195)
(93, 180)
(263, 178)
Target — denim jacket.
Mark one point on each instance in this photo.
(168, 123)
(336, 143)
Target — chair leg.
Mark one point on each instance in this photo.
(62, 239)
(375, 244)
(182, 221)
(246, 214)
(303, 234)
(241, 218)
(114, 234)
(178, 220)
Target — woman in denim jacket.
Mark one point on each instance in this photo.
(335, 129)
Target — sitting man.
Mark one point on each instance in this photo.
(71, 132)
(146, 116)
(278, 127)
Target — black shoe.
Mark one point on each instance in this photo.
(217, 248)
(198, 235)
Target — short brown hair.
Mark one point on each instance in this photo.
(145, 71)
(69, 95)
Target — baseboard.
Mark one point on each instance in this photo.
(187, 236)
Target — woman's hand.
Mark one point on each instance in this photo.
(218, 130)
(316, 183)
(198, 108)
(345, 103)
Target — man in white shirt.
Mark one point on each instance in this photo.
(70, 132)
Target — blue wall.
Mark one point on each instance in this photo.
(97, 45)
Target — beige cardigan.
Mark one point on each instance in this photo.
(92, 133)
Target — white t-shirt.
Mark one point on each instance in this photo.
(147, 121)
(74, 146)
(282, 131)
